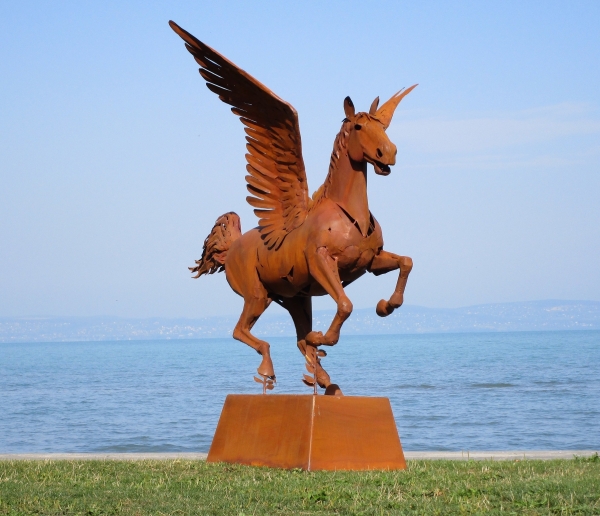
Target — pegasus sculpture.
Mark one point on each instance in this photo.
(303, 246)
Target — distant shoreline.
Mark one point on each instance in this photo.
(229, 337)
(549, 315)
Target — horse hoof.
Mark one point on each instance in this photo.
(383, 308)
(333, 390)
(266, 369)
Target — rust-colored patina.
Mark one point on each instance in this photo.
(303, 246)
(309, 432)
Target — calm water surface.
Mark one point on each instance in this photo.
(448, 392)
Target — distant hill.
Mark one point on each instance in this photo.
(530, 316)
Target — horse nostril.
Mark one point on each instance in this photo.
(379, 153)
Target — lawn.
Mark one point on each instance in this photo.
(177, 487)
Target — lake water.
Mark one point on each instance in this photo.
(487, 391)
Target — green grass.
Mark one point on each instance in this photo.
(194, 487)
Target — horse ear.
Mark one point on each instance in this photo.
(373, 108)
(386, 112)
(349, 108)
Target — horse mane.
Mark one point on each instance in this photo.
(339, 146)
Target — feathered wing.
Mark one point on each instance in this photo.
(277, 178)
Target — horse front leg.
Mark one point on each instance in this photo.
(386, 262)
(323, 268)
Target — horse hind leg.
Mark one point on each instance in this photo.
(300, 309)
(254, 307)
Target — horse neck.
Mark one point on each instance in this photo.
(346, 183)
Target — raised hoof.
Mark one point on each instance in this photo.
(333, 390)
(383, 308)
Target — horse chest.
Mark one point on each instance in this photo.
(355, 251)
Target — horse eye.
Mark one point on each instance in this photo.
(358, 127)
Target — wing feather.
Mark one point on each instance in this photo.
(277, 177)
(257, 183)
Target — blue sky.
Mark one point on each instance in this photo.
(116, 160)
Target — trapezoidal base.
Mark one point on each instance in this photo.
(309, 432)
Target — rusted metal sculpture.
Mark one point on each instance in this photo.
(303, 246)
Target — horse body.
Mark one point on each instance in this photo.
(302, 247)
(286, 272)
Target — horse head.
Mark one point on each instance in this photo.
(367, 140)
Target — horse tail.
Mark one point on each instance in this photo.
(227, 229)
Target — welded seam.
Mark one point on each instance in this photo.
(312, 425)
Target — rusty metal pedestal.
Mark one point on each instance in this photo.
(308, 432)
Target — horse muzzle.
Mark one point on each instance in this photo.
(381, 168)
